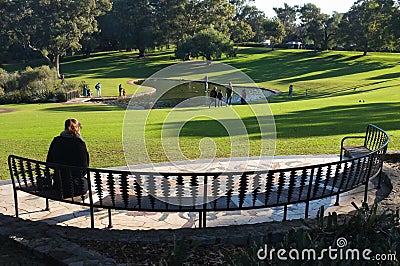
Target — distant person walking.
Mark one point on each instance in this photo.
(229, 91)
(85, 90)
(98, 89)
(120, 89)
(244, 96)
(213, 97)
(290, 90)
(220, 97)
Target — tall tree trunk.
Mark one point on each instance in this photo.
(142, 52)
(365, 48)
(326, 41)
(56, 62)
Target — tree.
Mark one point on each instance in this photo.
(217, 14)
(288, 16)
(318, 27)
(330, 28)
(5, 39)
(52, 27)
(241, 31)
(255, 18)
(274, 30)
(208, 43)
(311, 23)
(367, 24)
(170, 16)
(137, 21)
(394, 33)
(203, 14)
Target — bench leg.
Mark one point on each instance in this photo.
(47, 205)
(204, 219)
(284, 213)
(91, 216)
(109, 219)
(337, 200)
(366, 192)
(200, 219)
(16, 203)
(306, 209)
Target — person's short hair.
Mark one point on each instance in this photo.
(72, 125)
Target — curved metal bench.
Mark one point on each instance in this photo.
(200, 192)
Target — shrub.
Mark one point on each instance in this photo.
(366, 229)
(33, 85)
(8, 81)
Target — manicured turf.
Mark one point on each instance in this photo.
(113, 68)
(305, 125)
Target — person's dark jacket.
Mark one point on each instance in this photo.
(70, 150)
(213, 94)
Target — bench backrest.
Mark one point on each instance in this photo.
(47, 180)
(199, 191)
(375, 138)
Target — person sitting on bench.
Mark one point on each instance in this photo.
(69, 149)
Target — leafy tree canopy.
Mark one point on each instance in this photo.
(208, 43)
(53, 26)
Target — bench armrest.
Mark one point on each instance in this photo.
(343, 140)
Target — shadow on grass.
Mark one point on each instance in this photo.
(116, 65)
(329, 93)
(328, 121)
(338, 120)
(387, 76)
(281, 65)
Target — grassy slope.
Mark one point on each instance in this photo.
(113, 68)
(305, 125)
(315, 124)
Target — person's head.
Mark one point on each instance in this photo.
(73, 126)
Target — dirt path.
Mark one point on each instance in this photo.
(3, 110)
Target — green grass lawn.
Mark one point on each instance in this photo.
(114, 68)
(305, 125)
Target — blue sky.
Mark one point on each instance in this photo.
(327, 6)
